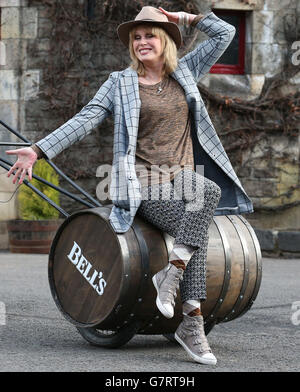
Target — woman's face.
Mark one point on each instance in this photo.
(146, 46)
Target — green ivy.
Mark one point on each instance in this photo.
(31, 205)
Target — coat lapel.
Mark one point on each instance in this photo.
(131, 102)
(208, 137)
(184, 77)
(187, 82)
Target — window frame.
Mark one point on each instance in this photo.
(239, 68)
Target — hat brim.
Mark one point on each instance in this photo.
(170, 27)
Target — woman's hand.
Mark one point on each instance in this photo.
(172, 16)
(178, 17)
(26, 159)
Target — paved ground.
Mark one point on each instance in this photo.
(35, 337)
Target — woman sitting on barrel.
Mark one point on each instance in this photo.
(162, 126)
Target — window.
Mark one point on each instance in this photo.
(90, 9)
(233, 60)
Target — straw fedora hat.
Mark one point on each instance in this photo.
(150, 15)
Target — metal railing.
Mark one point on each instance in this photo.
(4, 163)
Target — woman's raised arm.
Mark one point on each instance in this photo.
(205, 55)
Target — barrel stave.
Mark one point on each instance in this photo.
(253, 270)
(215, 272)
(129, 283)
(234, 273)
(156, 254)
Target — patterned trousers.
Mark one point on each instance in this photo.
(184, 209)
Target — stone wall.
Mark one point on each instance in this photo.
(18, 24)
(267, 171)
(270, 170)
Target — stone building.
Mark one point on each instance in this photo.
(32, 102)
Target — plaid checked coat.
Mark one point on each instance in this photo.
(119, 96)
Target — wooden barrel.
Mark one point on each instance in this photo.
(31, 236)
(101, 281)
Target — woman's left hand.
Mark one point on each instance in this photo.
(172, 16)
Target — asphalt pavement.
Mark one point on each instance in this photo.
(35, 337)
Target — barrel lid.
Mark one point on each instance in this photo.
(86, 268)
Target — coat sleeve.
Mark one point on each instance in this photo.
(205, 55)
(79, 126)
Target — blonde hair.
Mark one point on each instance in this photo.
(169, 51)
